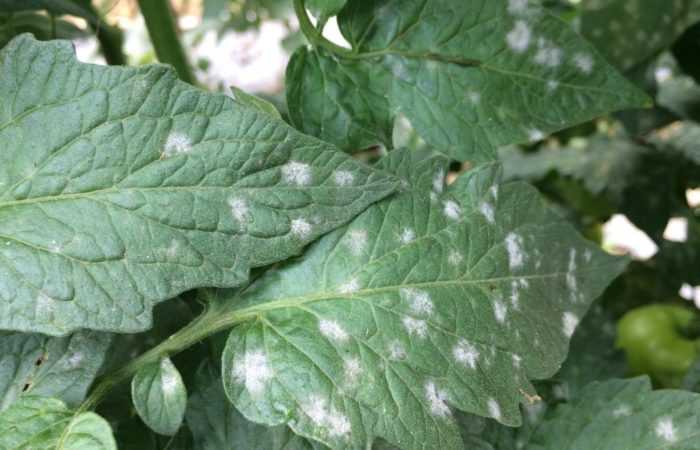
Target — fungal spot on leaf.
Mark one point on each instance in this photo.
(357, 241)
(415, 326)
(332, 330)
(350, 286)
(547, 54)
(500, 311)
(353, 369)
(327, 418)
(666, 430)
(176, 143)
(569, 323)
(517, 7)
(301, 228)
(419, 301)
(253, 371)
(407, 235)
(437, 399)
(454, 258)
(518, 38)
(494, 409)
(514, 244)
(297, 173)
(397, 351)
(343, 178)
(452, 210)
(487, 211)
(239, 209)
(465, 353)
(622, 411)
(584, 62)
(439, 181)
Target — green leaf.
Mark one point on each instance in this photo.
(216, 424)
(46, 423)
(432, 300)
(160, 397)
(79, 8)
(252, 101)
(122, 187)
(64, 368)
(470, 75)
(323, 9)
(631, 32)
(40, 25)
(622, 415)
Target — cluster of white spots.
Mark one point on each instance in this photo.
(547, 53)
(665, 429)
(518, 39)
(571, 274)
(55, 247)
(332, 330)
(622, 411)
(301, 228)
(419, 301)
(486, 210)
(415, 326)
(357, 241)
(407, 235)
(535, 135)
(552, 85)
(353, 369)
(569, 323)
(584, 62)
(298, 173)
(253, 371)
(397, 351)
(514, 246)
(500, 311)
(343, 178)
(517, 7)
(439, 181)
(168, 380)
(437, 399)
(465, 353)
(239, 209)
(517, 360)
(494, 408)
(474, 97)
(455, 257)
(176, 143)
(452, 210)
(514, 294)
(350, 286)
(327, 417)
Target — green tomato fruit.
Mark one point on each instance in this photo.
(653, 338)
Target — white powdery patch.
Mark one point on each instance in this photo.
(452, 210)
(335, 423)
(569, 323)
(465, 353)
(253, 371)
(437, 399)
(535, 135)
(350, 286)
(500, 311)
(515, 294)
(494, 409)
(332, 330)
(547, 53)
(439, 181)
(75, 359)
(493, 190)
(343, 178)
(353, 369)
(517, 360)
(301, 228)
(552, 85)
(584, 62)
(514, 246)
(518, 39)
(357, 241)
(455, 257)
(419, 301)
(622, 411)
(487, 211)
(239, 209)
(176, 143)
(407, 235)
(474, 97)
(298, 173)
(587, 255)
(397, 351)
(571, 274)
(517, 7)
(665, 429)
(168, 380)
(415, 326)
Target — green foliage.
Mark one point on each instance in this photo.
(160, 396)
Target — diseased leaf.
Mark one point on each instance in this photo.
(64, 368)
(470, 75)
(122, 187)
(46, 423)
(622, 415)
(160, 397)
(217, 425)
(434, 299)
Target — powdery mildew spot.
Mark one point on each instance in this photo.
(465, 353)
(487, 211)
(350, 286)
(515, 294)
(493, 190)
(397, 351)
(439, 181)
(535, 135)
(517, 360)
(454, 258)
(407, 235)
(665, 429)
(298, 173)
(500, 311)
(547, 53)
(343, 178)
(437, 400)
(357, 241)
(622, 411)
(517, 7)
(176, 143)
(452, 210)
(571, 274)
(552, 85)
(415, 326)
(494, 409)
(474, 97)
(419, 301)
(332, 330)
(239, 209)
(584, 62)
(569, 323)
(518, 39)
(75, 359)
(55, 247)
(301, 228)
(514, 246)
(335, 423)
(253, 371)
(353, 369)
(168, 381)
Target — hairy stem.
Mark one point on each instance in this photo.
(161, 28)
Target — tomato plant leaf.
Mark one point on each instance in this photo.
(323, 9)
(122, 187)
(469, 75)
(159, 396)
(434, 299)
(64, 368)
(46, 423)
(621, 415)
(253, 101)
